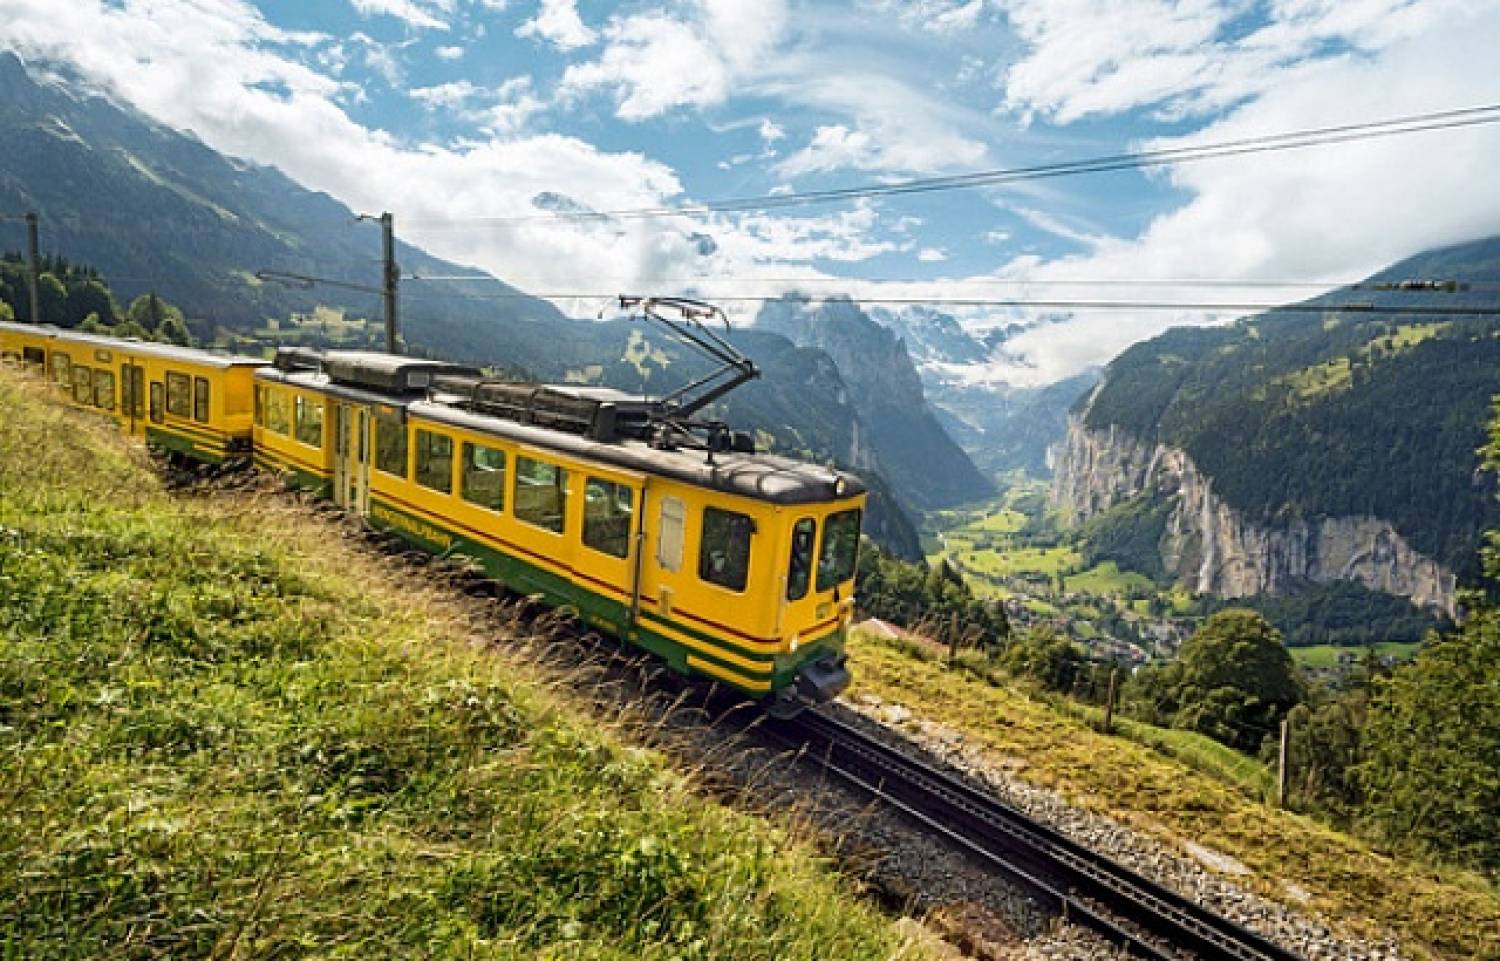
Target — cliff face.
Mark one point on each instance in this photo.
(1212, 548)
(901, 435)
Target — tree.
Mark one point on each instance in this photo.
(173, 330)
(150, 311)
(89, 297)
(1050, 658)
(1233, 680)
(1431, 777)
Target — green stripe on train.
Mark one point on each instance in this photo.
(593, 608)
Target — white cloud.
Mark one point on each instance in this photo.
(996, 236)
(895, 127)
(417, 14)
(931, 255)
(933, 16)
(558, 23)
(1189, 57)
(447, 95)
(449, 53)
(654, 62)
(1320, 214)
(770, 131)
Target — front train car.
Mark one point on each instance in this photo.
(729, 564)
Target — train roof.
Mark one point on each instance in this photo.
(191, 355)
(764, 477)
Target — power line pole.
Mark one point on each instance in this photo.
(391, 279)
(33, 269)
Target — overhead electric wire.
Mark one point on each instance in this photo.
(1293, 140)
(1083, 305)
(1414, 286)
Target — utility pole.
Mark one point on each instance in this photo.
(1281, 765)
(391, 278)
(1109, 701)
(33, 271)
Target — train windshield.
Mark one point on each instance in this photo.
(840, 549)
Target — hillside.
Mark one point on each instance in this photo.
(1323, 445)
(229, 732)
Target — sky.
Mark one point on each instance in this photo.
(476, 122)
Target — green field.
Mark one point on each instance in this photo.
(1107, 578)
(1327, 655)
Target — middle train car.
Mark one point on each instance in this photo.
(738, 566)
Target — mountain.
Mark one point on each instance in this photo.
(964, 373)
(909, 445)
(154, 209)
(1334, 443)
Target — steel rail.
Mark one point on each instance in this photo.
(1084, 886)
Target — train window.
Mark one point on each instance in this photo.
(309, 425)
(179, 395)
(669, 534)
(61, 369)
(158, 400)
(435, 461)
(34, 356)
(541, 494)
(840, 549)
(278, 411)
(133, 390)
(390, 445)
(484, 476)
(260, 406)
(83, 385)
(724, 553)
(200, 399)
(104, 389)
(607, 510)
(799, 570)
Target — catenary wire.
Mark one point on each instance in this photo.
(1318, 136)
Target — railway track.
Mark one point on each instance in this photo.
(1085, 887)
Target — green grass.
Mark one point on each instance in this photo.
(1177, 785)
(1327, 655)
(226, 732)
(1107, 578)
(1021, 560)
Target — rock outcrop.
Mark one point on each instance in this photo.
(1212, 548)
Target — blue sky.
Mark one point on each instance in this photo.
(453, 113)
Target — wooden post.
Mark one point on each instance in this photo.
(1109, 701)
(953, 637)
(1281, 763)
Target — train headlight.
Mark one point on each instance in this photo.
(796, 642)
(840, 487)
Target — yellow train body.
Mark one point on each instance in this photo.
(738, 567)
(194, 402)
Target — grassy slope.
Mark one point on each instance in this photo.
(223, 732)
(1448, 915)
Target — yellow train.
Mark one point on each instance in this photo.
(726, 563)
(192, 402)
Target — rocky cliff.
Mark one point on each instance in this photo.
(907, 443)
(1211, 548)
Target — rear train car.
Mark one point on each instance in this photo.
(196, 403)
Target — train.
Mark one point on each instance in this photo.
(633, 514)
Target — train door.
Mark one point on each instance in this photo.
(133, 395)
(351, 457)
(610, 535)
